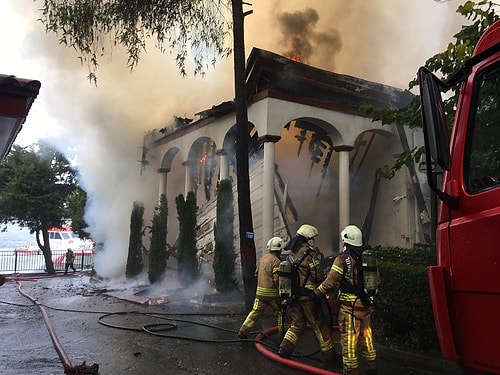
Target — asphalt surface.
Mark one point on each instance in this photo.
(126, 331)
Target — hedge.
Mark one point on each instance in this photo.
(402, 314)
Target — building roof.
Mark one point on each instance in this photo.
(16, 97)
(269, 75)
(272, 75)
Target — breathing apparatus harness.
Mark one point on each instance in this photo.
(366, 276)
(290, 287)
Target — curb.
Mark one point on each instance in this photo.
(424, 364)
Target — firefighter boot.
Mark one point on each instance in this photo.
(351, 371)
(286, 349)
(329, 355)
(371, 367)
(243, 332)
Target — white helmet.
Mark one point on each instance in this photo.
(352, 235)
(275, 244)
(307, 231)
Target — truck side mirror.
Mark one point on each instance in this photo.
(433, 118)
(437, 148)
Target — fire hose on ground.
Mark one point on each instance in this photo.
(285, 361)
(68, 367)
(160, 330)
(262, 347)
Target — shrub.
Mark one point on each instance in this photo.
(158, 247)
(403, 314)
(187, 262)
(224, 256)
(134, 259)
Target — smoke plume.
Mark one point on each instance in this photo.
(100, 128)
(300, 38)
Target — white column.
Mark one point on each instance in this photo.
(344, 199)
(188, 180)
(224, 164)
(162, 189)
(268, 187)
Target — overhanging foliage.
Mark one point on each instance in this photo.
(93, 27)
(481, 14)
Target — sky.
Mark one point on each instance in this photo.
(100, 128)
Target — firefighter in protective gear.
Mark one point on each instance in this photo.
(305, 306)
(267, 287)
(70, 260)
(354, 314)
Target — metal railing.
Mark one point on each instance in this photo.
(33, 261)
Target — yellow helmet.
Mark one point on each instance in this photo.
(275, 244)
(307, 231)
(352, 235)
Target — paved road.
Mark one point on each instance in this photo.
(186, 336)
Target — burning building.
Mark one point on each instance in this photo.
(315, 157)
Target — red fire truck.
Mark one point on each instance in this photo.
(465, 283)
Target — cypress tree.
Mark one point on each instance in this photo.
(224, 257)
(187, 262)
(158, 248)
(134, 259)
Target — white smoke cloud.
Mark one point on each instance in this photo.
(101, 128)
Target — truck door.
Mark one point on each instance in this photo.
(474, 229)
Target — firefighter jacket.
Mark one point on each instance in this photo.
(310, 271)
(267, 275)
(70, 256)
(343, 270)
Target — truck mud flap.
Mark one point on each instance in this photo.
(441, 312)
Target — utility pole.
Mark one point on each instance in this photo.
(247, 243)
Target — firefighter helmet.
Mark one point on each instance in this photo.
(275, 244)
(307, 231)
(352, 235)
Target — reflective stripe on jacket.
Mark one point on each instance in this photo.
(267, 275)
(310, 270)
(343, 265)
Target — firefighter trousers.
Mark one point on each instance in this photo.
(259, 305)
(355, 329)
(301, 312)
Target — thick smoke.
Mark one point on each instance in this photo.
(300, 37)
(381, 40)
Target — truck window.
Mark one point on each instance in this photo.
(482, 154)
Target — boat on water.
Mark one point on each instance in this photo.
(28, 257)
(60, 239)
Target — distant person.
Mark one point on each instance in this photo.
(355, 305)
(267, 287)
(70, 260)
